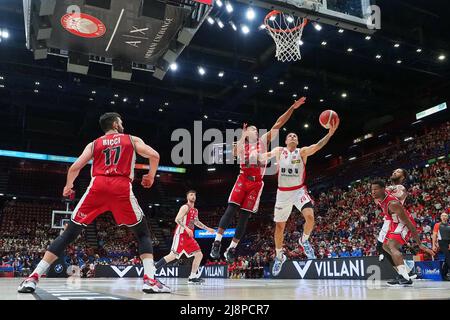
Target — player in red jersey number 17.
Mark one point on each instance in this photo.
(110, 190)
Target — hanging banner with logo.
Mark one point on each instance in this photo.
(362, 268)
(122, 30)
(137, 271)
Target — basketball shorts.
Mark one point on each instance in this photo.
(183, 244)
(384, 230)
(246, 193)
(399, 233)
(113, 194)
(287, 199)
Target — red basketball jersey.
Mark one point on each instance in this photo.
(114, 155)
(385, 208)
(188, 220)
(250, 166)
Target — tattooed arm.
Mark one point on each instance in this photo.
(199, 224)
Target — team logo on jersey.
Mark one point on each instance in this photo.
(83, 25)
(81, 215)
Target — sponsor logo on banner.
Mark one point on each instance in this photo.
(167, 272)
(83, 25)
(340, 268)
(347, 268)
(158, 37)
(107, 271)
(135, 36)
(212, 271)
(302, 267)
(123, 272)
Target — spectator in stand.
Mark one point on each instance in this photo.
(357, 252)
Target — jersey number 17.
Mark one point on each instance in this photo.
(108, 152)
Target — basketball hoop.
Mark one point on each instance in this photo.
(286, 30)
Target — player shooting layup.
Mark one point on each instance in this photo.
(247, 190)
(292, 191)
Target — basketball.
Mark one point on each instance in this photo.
(327, 117)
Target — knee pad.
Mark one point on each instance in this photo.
(142, 234)
(230, 212)
(58, 246)
(242, 224)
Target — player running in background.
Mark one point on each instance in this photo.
(110, 189)
(183, 239)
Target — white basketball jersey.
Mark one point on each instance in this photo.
(399, 192)
(291, 169)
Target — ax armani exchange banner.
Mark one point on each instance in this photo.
(120, 31)
(169, 272)
(363, 268)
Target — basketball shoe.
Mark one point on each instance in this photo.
(277, 265)
(215, 250)
(309, 251)
(154, 286)
(29, 284)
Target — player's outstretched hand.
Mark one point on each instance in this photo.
(147, 181)
(68, 191)
(334, 126)
(426, 250)
(299, 102)
(211, 230)
(189, 232)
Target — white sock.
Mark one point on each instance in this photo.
(41, 268)
(233, 245)
(305, 237)
(218, 237)
(401, 269)
(408, 269)
(193, 275)
(149, 268)
(279, 253)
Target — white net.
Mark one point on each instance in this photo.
(286, 30)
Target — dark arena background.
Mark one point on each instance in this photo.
(178, 67)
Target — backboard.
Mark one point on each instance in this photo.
(357, 15)
(59, 218)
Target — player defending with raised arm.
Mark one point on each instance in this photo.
(292, 191)
(401, 228)
(110, 189)
(183, 239)
(246, 193)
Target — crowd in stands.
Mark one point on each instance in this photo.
(347, 220)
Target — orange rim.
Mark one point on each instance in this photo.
(274, 13)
